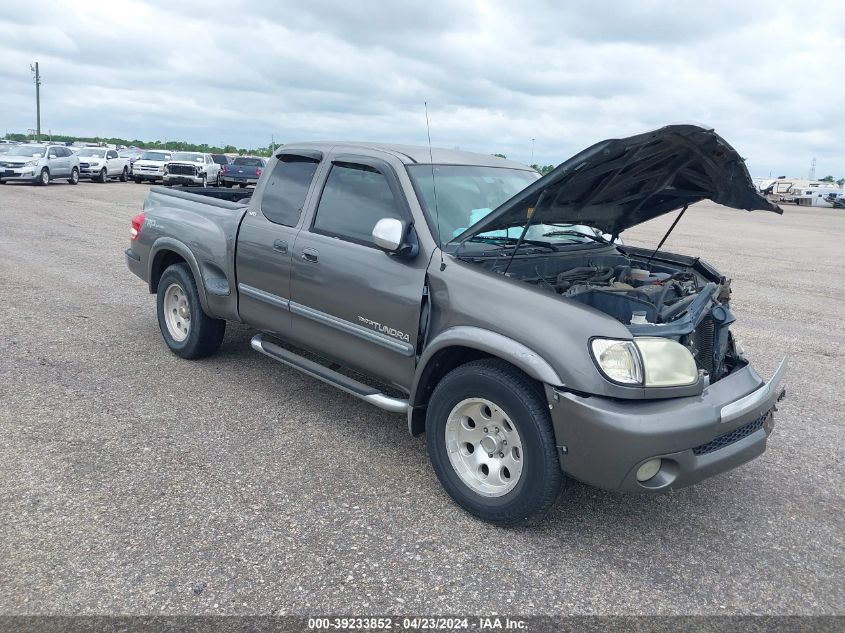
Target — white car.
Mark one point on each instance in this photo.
(192, 168)
(100, 164)
(151, 165)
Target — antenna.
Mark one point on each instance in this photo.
(434, 185)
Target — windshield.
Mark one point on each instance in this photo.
(249, 162)
(467, 193)
(92, 151)
(129, 153)
(155, 156)
(188, 156)
(5, 148)
(29, 151)
(220, 159)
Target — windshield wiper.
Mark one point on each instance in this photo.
(509, 241)
(595, 238)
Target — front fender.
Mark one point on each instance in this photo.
(486, 341)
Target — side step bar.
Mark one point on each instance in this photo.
(315, 370)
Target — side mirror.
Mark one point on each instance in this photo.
(51, 155)
(388, 234)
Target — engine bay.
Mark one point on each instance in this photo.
(658, 294)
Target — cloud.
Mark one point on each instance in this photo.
(495, 74)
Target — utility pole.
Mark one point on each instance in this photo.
(532, 152)
(813, 169)
(37, 74)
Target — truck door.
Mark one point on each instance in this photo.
(266, 239)
(351, 301)
(112, 160)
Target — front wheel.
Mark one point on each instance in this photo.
(491, 443)
(43, 178)
(74, 176)
(124, 175)
(204, 182)
(104, 175)
(188, 331)
(138, 181)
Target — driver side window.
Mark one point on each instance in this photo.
(354, 198)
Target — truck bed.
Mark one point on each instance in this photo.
(200, 224)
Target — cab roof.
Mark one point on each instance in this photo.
(414, 154)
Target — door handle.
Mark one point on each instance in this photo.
(280, 246)
(310, 254)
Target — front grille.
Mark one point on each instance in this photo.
(734, 436)
(182, 170)
(83, 165)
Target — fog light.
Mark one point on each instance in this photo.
(648, 470)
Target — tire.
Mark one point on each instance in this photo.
(203, 334)
(104, 175)
(124, 175)
(242, 185)
(74, 176)
(43, 178)
(228, 185)
(516, 404)
(138, 181)
(217, 182)
(204, 182)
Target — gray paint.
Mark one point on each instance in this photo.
(339, 304)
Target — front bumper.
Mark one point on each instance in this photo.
(27, 174)
(182, 179)
(603, 442)
(89, 172)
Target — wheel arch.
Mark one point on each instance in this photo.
(462, 344)
(167, 251)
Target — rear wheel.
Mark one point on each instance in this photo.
(74, 176)
(124, 175)
(188, 331)
(491, 443)
(44, 177)
(217, 182)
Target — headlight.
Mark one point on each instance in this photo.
(667, 363)
(31, 163)
(618, 360)
(645, 361)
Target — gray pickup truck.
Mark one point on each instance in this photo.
(495, 308)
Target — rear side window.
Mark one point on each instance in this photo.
(285, 191)
(354, 199)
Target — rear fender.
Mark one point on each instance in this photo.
(159, 250)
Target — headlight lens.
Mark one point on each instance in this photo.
(31, 163)
(645, 361)
(667, 363)
(618, 360)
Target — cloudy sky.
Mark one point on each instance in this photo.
(770, 77)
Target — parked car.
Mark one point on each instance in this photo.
(244, 170)
(100, 164)
(221, 159)
(150, 166)
(39, 164)
(5, 146)
(191, 168)
(132, 154)
(522, 360)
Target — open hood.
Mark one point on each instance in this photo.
(619, 183)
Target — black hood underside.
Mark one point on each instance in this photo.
(619, 183)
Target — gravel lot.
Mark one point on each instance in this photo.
(135, 482)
